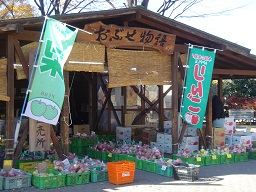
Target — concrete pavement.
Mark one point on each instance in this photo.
(233, 177)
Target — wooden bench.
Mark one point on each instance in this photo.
(242, 115)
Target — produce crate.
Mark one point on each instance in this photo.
(89, 151)
(189, 173)
(98, 174)
(212, 160)
(241, 157)
(121, 172)
(104, 156)
(17, 182)
(90, 141)
(30, 166)
(98, 155)
(46, 182)
(227, 158)
(77, 178)
(193, 160)
(132, 158)
(122, 157)
(76, 142)
(139, 164)
(1, 183)
(163, 170)
(149, 166)
(252, 155)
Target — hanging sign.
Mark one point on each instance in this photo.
(39, 136)
(114, 36)
(48, 88)
(197, 86)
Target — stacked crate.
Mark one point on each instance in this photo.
(148, 136)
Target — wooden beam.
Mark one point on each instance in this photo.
(175, 100)
(161, 108)
(105, 90)
(232, 72)
(123, 108)
(143, 114)
(10, 105)
(181, 48)
(65, 116)
(94, 99)
(208, 128)
(56, 143)
(21, 57)
(27, 35)
(21, 142)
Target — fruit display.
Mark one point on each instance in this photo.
(12, 173)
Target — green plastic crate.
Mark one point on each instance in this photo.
(76, 142)
(212, 160)
(77, 178)
(252, 155)
(163, 170)
(193, 160)
(98, 175)
(241, 157)
(131, 157)
(90, 141)
(47, 182)
(104, 156)
(139, 164)
(17, 182)
(89, 151)
(1, 183)
(98, 155)
(149, 166)
(227, 158)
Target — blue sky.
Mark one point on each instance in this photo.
(237, 26)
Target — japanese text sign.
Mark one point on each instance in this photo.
(197, 86)
(114, 36)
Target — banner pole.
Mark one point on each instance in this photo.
(17, 128)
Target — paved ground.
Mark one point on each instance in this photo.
(233, 177)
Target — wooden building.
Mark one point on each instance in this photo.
(232, 61)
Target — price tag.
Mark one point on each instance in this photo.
(110, 155)
(163, 167)
(214, 157)
(198, 159)
(169, 160)
(7, 165)
(229, 156)
(7, 162)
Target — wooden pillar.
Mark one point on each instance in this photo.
(143, 103)
(161, 108)
(123, 105)
(10, 127)
(65, 116)
(220, 84)
(109, 111)
(208, 128)
(94, 102)
(175, 100)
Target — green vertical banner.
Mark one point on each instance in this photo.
(48, 88)
(197, 86)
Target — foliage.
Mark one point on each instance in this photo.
(239, 87)
(236, 102)
(11, 9)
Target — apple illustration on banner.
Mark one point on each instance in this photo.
(193, 119)
(38, 108)
(50, 113)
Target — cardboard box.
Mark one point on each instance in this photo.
(149, 133)
(167, 137)
(192, 148)
(218, 137)
(192, 131)
(242, 140)
(85, 128)
(229, 125)
(160, 137)
(228, 139)
(167, 148)
(167, 124)
(147, 141)
(123, 132)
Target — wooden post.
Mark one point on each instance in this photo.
(10, 127)
(56, 144)
(175, 99)
(161, 108)
(65, 116)
(123, 106)
(94, 102)
(208, 128)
